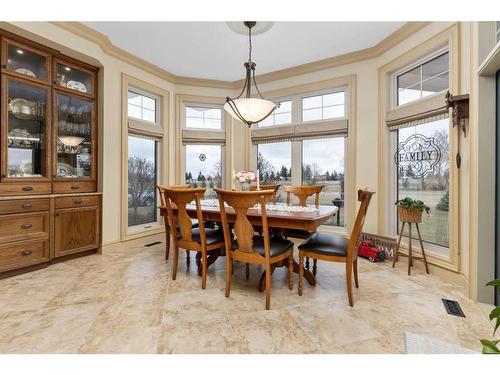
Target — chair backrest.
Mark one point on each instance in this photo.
(302, 192)
(273, 187)
(181, 197)
(161, 191)
(364, 196)
(241, 201)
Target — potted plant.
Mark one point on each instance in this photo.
(491, 346)
(410, 210)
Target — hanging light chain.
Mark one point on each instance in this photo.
(249, 44)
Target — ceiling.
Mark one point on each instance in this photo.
(211, 50)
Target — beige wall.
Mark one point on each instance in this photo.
(367, 120)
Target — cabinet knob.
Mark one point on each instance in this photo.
(27, 205)
(26, 253)
(75, 187)
(26, 226)
(28, 188)
(77, 201)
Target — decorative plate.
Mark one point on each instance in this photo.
(21, 108)
(75, 85)
(64, 169)
(26, 71)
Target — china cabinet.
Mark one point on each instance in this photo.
(50, 208)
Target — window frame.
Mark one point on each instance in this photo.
(155, 97)
(323, 93)
(203, 105)
(281, 100)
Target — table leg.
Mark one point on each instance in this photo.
(307, 274)
(211, 258)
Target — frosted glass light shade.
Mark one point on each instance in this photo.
(251, 109)
(71, 141)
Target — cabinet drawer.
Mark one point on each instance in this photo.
(23, 253)
(22, 226)
(20, 188)
(15, 206)
(77, 201)
(61, 187)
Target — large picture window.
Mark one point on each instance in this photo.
(323, 164)
(204, 167)
(274, 163)
(142, 172)
(422, 180)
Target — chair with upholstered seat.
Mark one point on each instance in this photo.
(202, 240)
(163, 202)
(302, 192)
(248, 247)
(334, 248)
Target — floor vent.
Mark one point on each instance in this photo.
(452, 307)
(152, 244)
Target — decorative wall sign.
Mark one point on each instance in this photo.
(203, 157)
(417, 156)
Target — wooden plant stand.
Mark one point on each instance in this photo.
(412, 219)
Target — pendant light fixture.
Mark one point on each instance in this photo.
(244, 107)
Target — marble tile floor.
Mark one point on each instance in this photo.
(124, 301)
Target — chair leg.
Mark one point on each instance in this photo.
(188, 260)
(315, 267)
(355, 269)
(229, 273)
(268, 287)
(301, 271)
(307, 263)
(204, 269)
(167, 240)
(247, 271)
(348, 278)
(396, 250)
(175, 262)
(290, 271)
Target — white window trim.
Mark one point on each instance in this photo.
(203, 105)
(158, 109)
(392, 225)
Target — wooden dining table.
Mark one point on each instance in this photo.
(278, 221)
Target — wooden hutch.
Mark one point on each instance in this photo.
(50, 209)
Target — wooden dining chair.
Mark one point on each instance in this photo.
(334, 248)
(273, 187)
(163, 202)
(202, 240)
(248, 247)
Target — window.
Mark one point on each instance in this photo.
(424, 80)
(204, 167)
(274, 163)
(323, 107)
(281, 116)
(142, 107)
(203, 117)
(142, 172)
(498, 31)
(323, 164)
(424, 181)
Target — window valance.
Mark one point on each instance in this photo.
(425, 110)
(203, 136)
(313, 130)
(144, 128)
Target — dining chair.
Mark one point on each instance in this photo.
(334, 248)
(185, 235)
(248, 247)
(163, 202)
(273, 187)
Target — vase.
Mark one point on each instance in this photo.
(245, 186)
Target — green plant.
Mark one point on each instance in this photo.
(413, 204)
(444, 203)
(491, 346)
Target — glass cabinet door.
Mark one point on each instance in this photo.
(73, 78)
(74, 137)
(26, 130)
(26, 62)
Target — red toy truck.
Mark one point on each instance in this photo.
(367, 249)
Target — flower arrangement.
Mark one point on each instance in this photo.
(245, 176)
(410, 210)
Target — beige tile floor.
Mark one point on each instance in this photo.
(124, 301)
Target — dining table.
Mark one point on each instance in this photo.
(280, 217)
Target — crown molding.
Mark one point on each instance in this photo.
(108, 47)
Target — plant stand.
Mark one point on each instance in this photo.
(410, 251)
